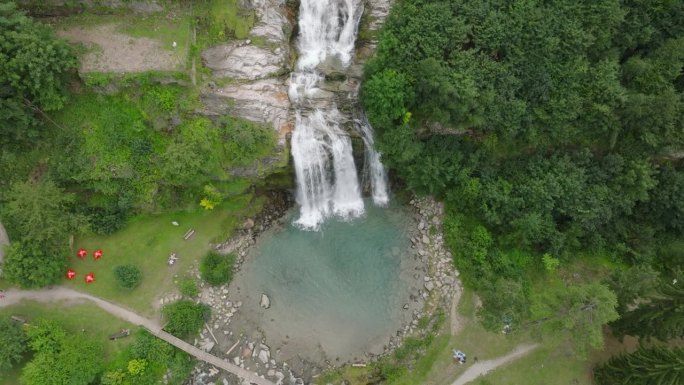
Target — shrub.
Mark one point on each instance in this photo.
(244, 142)
(128, 276)
(212, 197)
(13, 344)
(107, 220)
(217, 269)
(185, 318)
(188, 287)
(137, 367)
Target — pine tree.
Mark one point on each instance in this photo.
(662, 317)
(652, 366)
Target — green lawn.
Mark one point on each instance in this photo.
(97, 323)
(147, 242)
(546, 365)
(474, 340)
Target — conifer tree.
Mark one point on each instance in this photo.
(662, 317)
(653, 366)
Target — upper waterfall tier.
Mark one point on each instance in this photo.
(327, 180)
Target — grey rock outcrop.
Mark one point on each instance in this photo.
(263, 101)
(272, 24)
(241, 60)
(260, 93)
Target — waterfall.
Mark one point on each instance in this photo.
(327, 181)
(378, 175)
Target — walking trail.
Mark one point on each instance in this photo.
(4, 240)
(14, 296)
(483, 367)
(456, 321)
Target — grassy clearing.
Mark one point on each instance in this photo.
(75, 317)
(147, 242)
(474, 340)
(221, 20)
(97, 323)
(545, 365)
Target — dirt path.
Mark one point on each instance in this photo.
(113, 51)
(483, 367)
(456, 321)
(4, 240)
(14, 296)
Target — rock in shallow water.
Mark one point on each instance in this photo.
(265, 301)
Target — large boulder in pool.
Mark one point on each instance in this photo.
(265, 301)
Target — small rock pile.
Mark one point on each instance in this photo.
(429, 244)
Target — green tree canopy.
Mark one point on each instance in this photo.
(60, 358)
(128, 276)
(30, 265)
(33, 69)
(42, 213)
(185, 318)
(13, 344)
(660, 315)
(646, 366)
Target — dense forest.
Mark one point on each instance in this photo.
(554, 132)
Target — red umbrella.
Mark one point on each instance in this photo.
(82, 253)
(90, 278)
(97, 254)
(71, 274)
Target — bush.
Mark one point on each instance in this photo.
(244, 142)
(188, 287)
(185, 318)
(13, 344)
(217, 269)
(107, 220)
(128, 276)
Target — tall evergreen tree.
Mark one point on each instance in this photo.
(653, 366)
(662, 317)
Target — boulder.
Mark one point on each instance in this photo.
(264, 356)
(249, 223)
(265, 301)
(429, 286)
(207, 345)
(261, 101)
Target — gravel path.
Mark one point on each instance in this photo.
(456, 321)
(483, 367)
(14, 296)
(4, 240)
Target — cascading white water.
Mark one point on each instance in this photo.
(378, 175)
(327, 182)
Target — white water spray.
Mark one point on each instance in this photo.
(327, 182)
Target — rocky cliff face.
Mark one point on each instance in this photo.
(258, 75)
